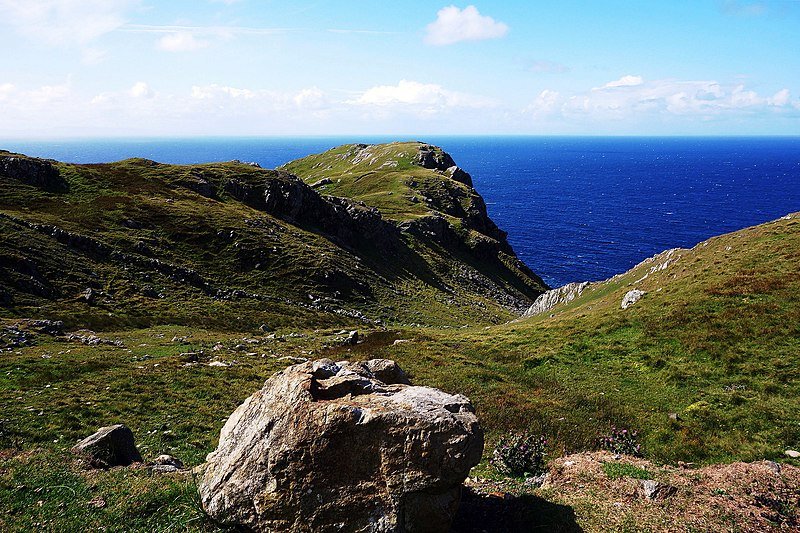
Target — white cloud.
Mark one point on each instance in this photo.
(140, 90)
(781, 98)
(632, 97)
(624, 81)
(311, 98)
(180, 41)
(60, 22)
(5, 90)
(210, 92)
(453, 25)
(414, 93)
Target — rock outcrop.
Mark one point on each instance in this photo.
(553, 297)
(37, 172)
(327, 446)
(631, 297)
(109, 446)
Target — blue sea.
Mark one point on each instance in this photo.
(575, 208)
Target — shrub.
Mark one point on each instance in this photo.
(622, 441)
(520, 454)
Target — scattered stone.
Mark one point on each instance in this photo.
(324, 444)
(793, 454)
(165, 464)
(49, 327)
(400, 341)
(320, 183)
(88, 338)
(89, 295)
(265, 328)
(190, 357)
(219, 363)
(653, 490)
(631, 297)
(352, 339)
(109, 446)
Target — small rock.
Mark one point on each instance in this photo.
(164, 464)
(219, 363)
(352, 339)
(794, 454)
(653, 490)
(631, 297)
(89, 295)
(265, 328)
(109, 446)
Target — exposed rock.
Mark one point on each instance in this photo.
(631, 297)
(793, 454)
(36, 172)
(320, 183)
(653, 490)
(459, 175)
(433, 157)
(352, 339)
(109, 446)
(165, 464)
(326, 446)
(49, 327)
(88, 338)
(553, 297)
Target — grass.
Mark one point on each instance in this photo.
(704, 366)
(622, 470)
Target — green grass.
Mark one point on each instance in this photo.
(622, 470)
(705, 366)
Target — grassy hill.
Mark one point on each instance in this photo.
(704, 365)
(230, 245)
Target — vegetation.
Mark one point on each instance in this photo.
(705, 365)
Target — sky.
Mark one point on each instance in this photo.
(89, 68)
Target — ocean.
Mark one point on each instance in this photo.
(575, 208)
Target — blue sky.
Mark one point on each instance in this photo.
(259, 67)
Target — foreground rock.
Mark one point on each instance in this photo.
(109, 446)
(327, 446)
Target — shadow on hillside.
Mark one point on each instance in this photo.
(486, 513)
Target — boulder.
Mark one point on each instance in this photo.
(631, 297)
(654, 490)
(109, 446)
(327, 446)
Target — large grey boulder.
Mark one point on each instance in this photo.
(631, 297)
(109, 446)
(327, 446)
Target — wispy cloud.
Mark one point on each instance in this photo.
(453, 25)
(428, 96)
(59, 22)
(634, 97)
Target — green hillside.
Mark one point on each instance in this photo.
(175, 268)
(230, 245)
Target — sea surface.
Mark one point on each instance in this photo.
(575, 208)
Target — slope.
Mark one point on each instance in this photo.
(232, 246)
